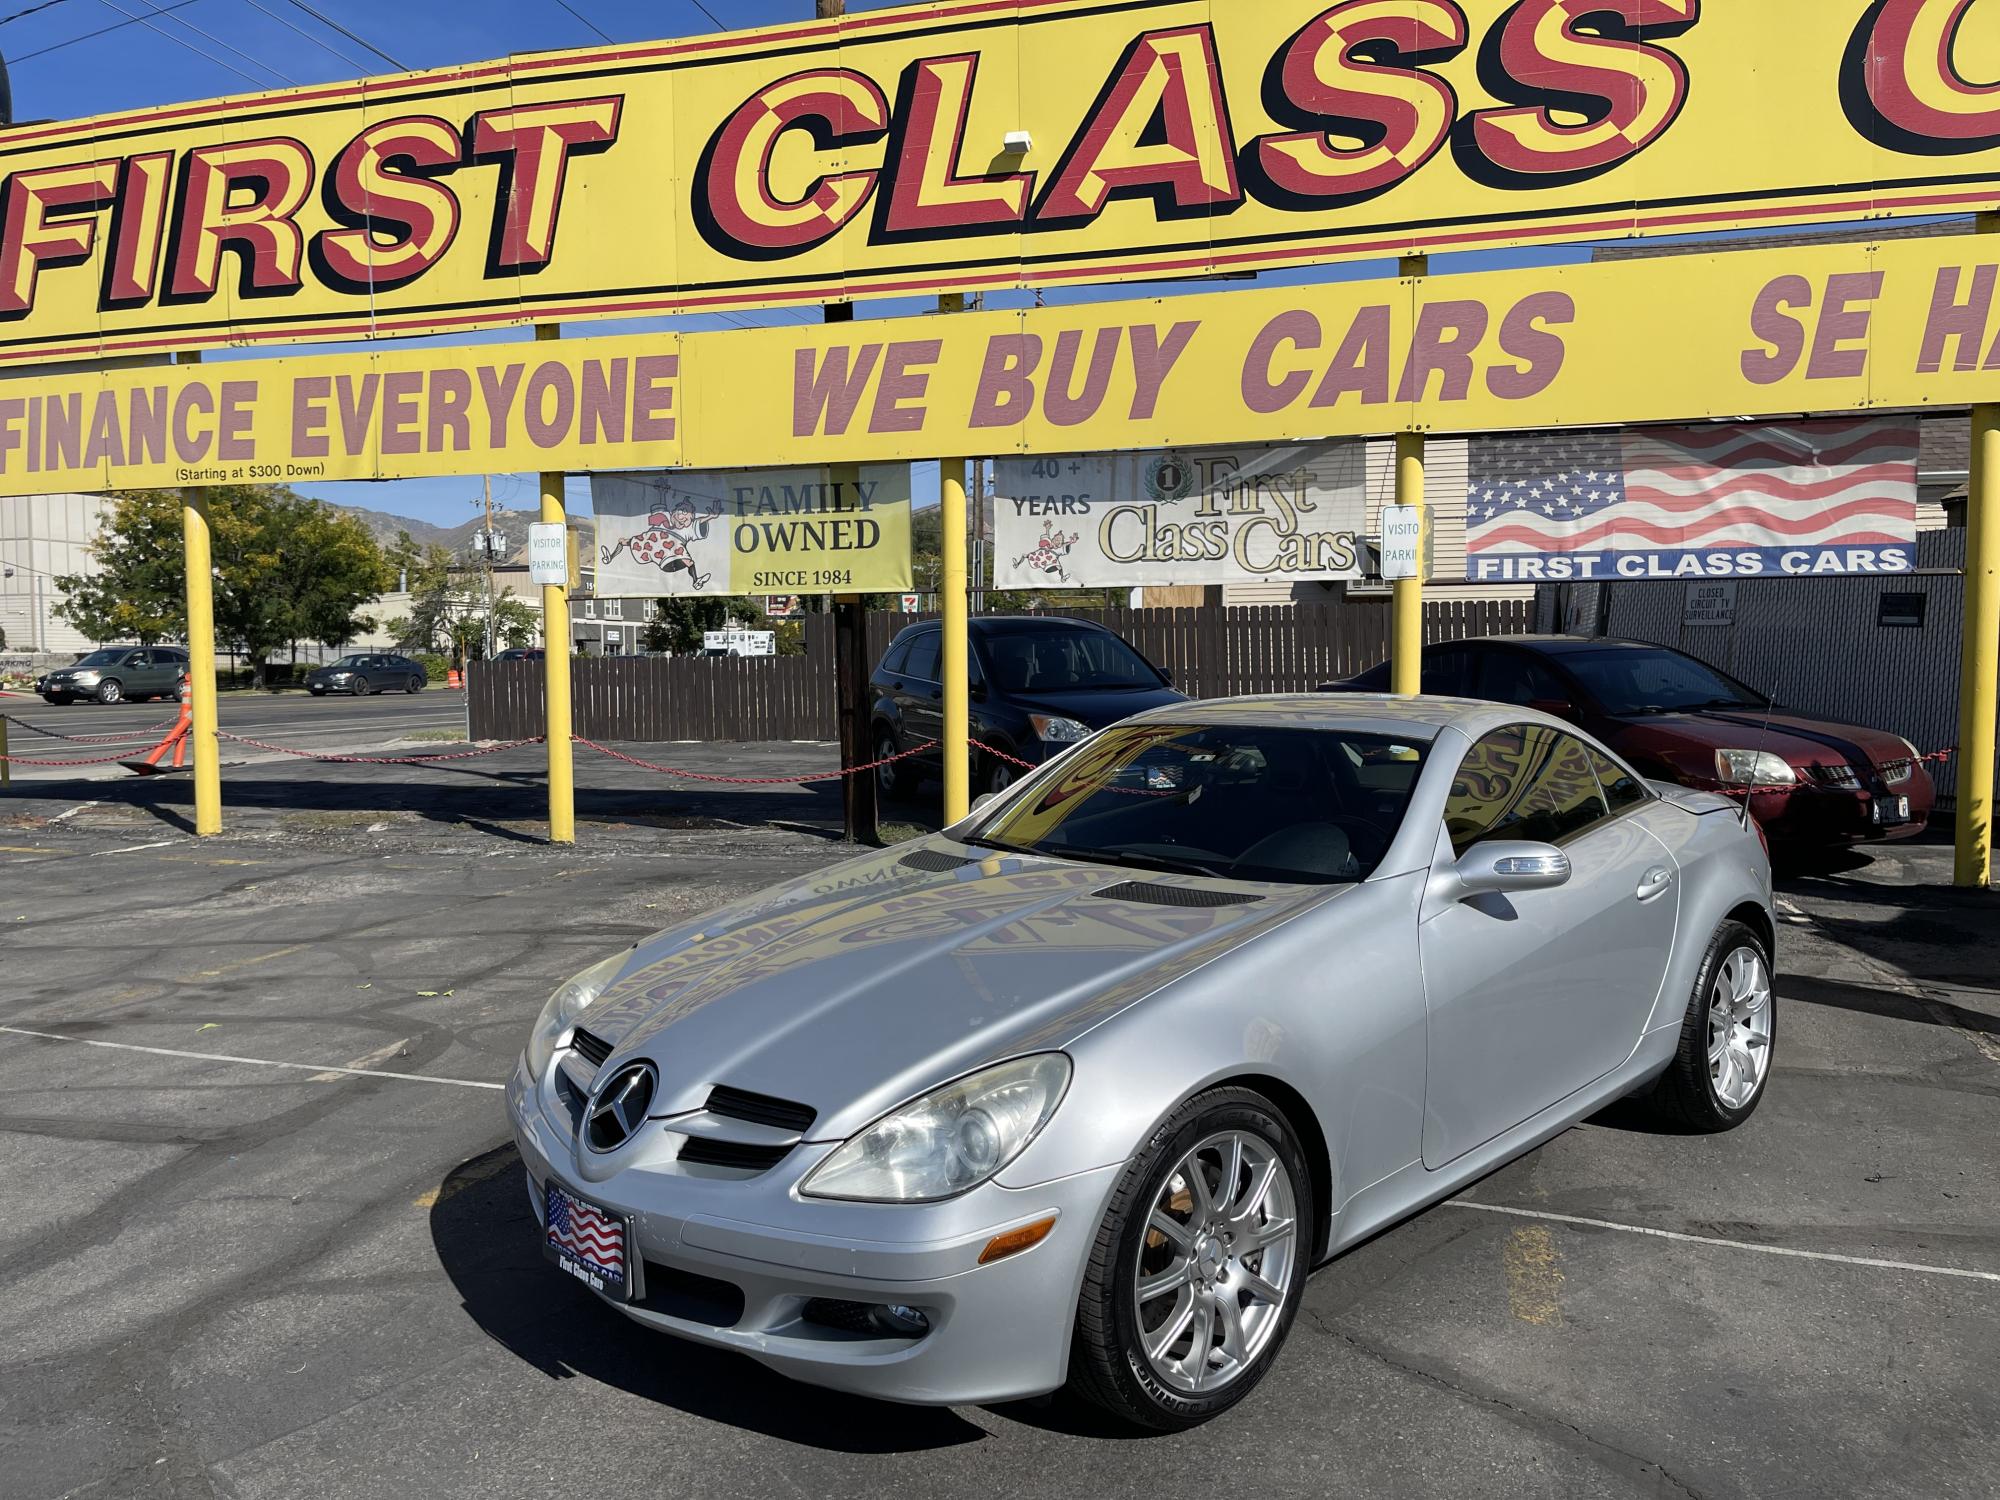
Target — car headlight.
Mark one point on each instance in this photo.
(85, 679)
(949, 1141)
(1754, 768)
(566, 1006)
(1058, 731)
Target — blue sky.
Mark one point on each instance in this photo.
(194, 49)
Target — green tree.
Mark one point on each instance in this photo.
(678, 623)
(287, 569)
(515, 625)
(436, 602)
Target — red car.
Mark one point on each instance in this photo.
(1675, 718)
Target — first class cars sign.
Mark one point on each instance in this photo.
(979, 143)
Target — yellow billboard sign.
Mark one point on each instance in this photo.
(1904, 324)
(971, 144)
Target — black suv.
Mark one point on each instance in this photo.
(362, 675)
(1039, 685)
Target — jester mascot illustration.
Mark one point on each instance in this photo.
(668, 542)
(1051, 552)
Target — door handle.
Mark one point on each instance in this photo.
(1655, 884)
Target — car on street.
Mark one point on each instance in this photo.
(1810, 781)
(361, 675)
(523, 653)
(1076, 1092)
(1039, 685)
(117, 674)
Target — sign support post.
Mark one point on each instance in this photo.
(956, 600)
(1406, 653)
(200, 566)
(556, 661)
(1979, 681)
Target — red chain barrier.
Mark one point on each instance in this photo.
(1012, 760)
(136, 736)
(379, 760)
(647, 765)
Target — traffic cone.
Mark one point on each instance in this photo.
(176, 741)
(451, 678)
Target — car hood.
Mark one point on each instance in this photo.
(1096, 708)
(1798, 737)
(863, 986)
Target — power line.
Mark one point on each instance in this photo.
(90, 35)
(359, 41)
(253, 81)
(319, 42)
(45, 5)
(255, 62)
(585, 19)
(714, 19)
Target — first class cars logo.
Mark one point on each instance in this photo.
(618, 1107)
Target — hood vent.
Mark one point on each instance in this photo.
(592, 1049)
(1173, 895)
(760, 1109)
(706, 1151)
(933, 861)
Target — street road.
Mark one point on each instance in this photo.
(267, 1235)
(297, 720)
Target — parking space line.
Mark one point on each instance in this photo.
(258, 1062)
(1705, 1239)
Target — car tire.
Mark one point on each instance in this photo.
(1110, 1363)
(998, 776)
(414, 685)
(360, 687)
(891, 780)
(110, 691)
(1703, 1089)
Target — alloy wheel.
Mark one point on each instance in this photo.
(1739, 1028)
(886, 777)
(1216, 1262)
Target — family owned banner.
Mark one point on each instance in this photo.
(766, 531)
(1195, 515)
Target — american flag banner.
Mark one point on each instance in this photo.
(1723, 500)
(594, 1238)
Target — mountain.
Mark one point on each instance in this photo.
(457, 539)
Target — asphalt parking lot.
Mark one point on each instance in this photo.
(268, 1235)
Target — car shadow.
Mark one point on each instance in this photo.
(488, 1242)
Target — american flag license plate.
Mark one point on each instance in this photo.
(590, 1243)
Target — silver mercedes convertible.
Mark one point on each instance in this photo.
(1077, 1092)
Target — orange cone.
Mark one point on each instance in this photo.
(451, 678)
(176, 741)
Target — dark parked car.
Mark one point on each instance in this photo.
(523, 653)
(1675, 718)
(1039, 685)
(118, 674)
(362, 675)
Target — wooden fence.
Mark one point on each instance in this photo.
(1211, 654)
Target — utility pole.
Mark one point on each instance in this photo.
(486, 549)
(850, 634)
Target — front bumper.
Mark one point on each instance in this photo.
(732, 1260)
(1838, 815)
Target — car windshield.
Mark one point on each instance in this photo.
(1237, 801)
(1657, 682)
(1058, 658)
(347, 663)
(101, 659)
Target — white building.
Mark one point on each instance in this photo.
(43, 538)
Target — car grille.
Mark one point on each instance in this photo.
(1172, 895)
(760, 1109)
(707, 1151)
(675, 1293)
(1896, 772)
(591, 1048)
(933, 861)
(1836, 776)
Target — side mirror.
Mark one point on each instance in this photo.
(1504, 867)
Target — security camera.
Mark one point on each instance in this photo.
(1018, 143)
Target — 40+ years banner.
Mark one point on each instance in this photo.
(1196, 515)
(755, 532)
(969, 144)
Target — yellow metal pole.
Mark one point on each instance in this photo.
(1979, 679)
(205, 752)
(956, 603)
(6, 766)
(1406, 653)
(555, 663)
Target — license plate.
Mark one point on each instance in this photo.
(1889, 810)
(592, 1244)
